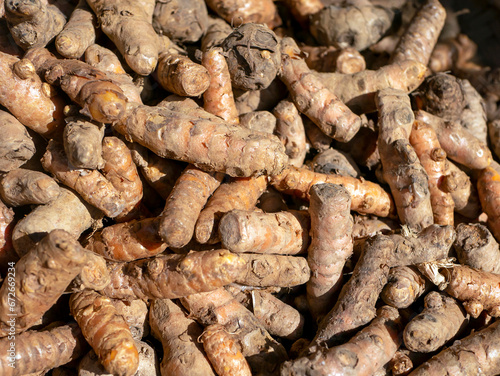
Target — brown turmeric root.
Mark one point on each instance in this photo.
(184, 126)
(402, 169)
(424, 140)
(82, 141)
(25, 96)
(313, 99)
(180, 75)
(488, 188)
(40, 351)
(67, 212)
(477, 290)
(182, 353)
(364, 354)
(121, 20)
(218, 99)
(184, 204)
(273, 270)
(90, 184)
(477, 248)
(333, 161)
(223, 352)
(262, 352)
(99, 97)
(405, 284)
(16, 146)
(331, 59)
(367, 197)
(273, 233)
(303, 9)
(217, 31)
(121, 172)
(462, 191)
(128, 241)
(106, 331)
(290, 129)
(279, 318)
(173, 276)
(331, 244)
(476, 354)
(357, 24)
(33, 23)
(25, 187)
(260, 12)
(40, 277)
(315, 136)
(441, 319)
(78, 33)
(422, 34)
(241, 193)
(356, 303)
(459, 144)
(180, 20)
(259, 121)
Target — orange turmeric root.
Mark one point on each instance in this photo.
(106, 331)
(312, 98)
(260, 12)
(488, 187)
(367, 197)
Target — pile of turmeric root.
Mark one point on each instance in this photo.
(248, 187)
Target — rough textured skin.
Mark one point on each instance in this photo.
(331, 244)
(279, 318)
(25, 96)
(185, 132)
(367, 197)
(78, 33)
(477, 248)
(474, 355)
(184, 204)
(262, 352)
(332, 59)
(440, 321)
(424, 140)
(90, 184)
(285, 232)
(16, 145)
(182, 352)
(180, 75)
(356, 304)
(463, 192)
(218, 99)
(261, 11)
(422, 34)
(290, 129)
(99, 97)
(458, 143)
(94, 274)
(473, 117)
(477, 290)
(402, 169)
(121, 172)
(33, 23)
(67, 212)
(128, 241)
(364, 354)
(40, 351)
(303, 9)
(241, 193)
(273, 270)
(333, 161)
(128, 24)
(253, 56)
(367, 226)
(41, 276)
(7, 252)
(312, 98)
(107, 61)
(25, 187)
(82, 141)
(106, 331)
(173, 276)
(259, 121)
(135, 313)
(405, 284)
(488, 188)
(359, 24)
(217, 31)
(181, 20)
(315, 136)
(223, 352)
(358, 90)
